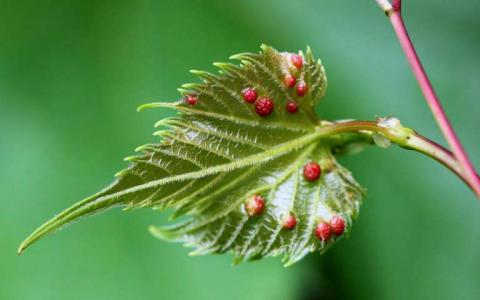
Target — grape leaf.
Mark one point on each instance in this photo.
(219, 152)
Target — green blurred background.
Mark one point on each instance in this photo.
(73, 72)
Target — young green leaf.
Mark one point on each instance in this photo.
(246, 134)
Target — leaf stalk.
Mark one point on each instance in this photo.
(391, 129)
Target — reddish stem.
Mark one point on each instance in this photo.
(396, 5)
(396, 19)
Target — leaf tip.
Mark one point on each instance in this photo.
(158, 105)
(239, 56)
(88, 206)
(153, 230)
(191, 86)
(198, 72)
(264, 47)
(157, 232)
(21, 248)
(224, 67)
(32, 238)
(131, 158)
(309, 54)
(141, 148)
(288, 264)
(219, 64)
(237, 260)
(144, 106)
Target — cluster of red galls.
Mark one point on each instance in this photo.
(264, 105)
(290, 80)
(324, 230)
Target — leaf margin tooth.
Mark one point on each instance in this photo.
(309, 55)
(205, 75)
(150, 105)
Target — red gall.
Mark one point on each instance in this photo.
(302, 88)
(249, 95)
(292, 107)
(255, 205)
(264, 106)
(312, 171)
(323, 231)
(191, 99)
(337, 223)
(289, 222)
(289, 81)
(297, 60)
